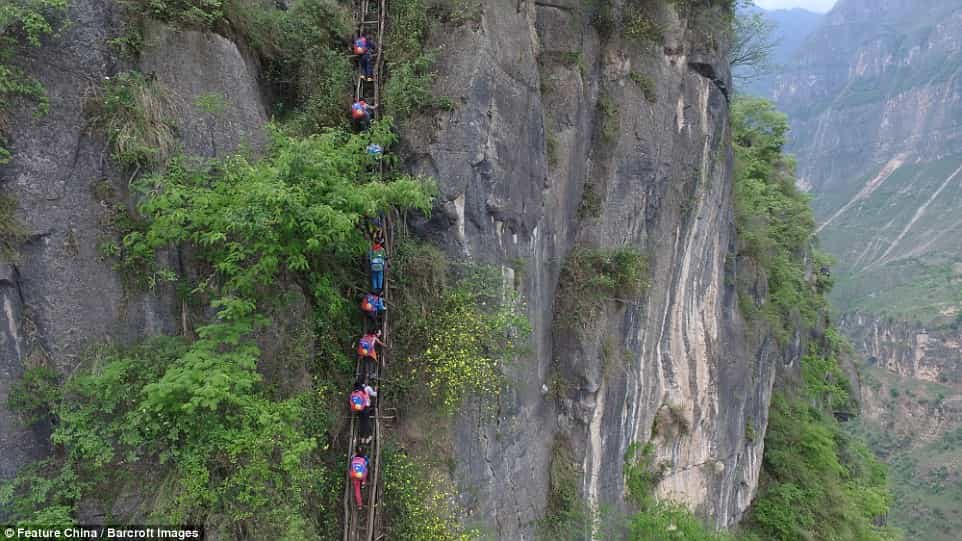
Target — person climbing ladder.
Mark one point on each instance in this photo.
(373, 306)
(377, 256)
(367, 351)
(360, 401)
(364, 49)
(362, 113)
(358, 474)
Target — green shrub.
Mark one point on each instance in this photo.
(457, 327)
(819, 483)
(646, 85)
(591, 277)
(591, 203)
(184, 13)
(252, 222)
(23, 23)
(551, 149)
(197, 415)
(410, 85)
(12, 232)
(567, 515)
(638, 24)
(409, 89)
(610, 119)
(323, 91)
(35, 395)
(774, 220)
(416, 506)
(455, 12)
(135, 112)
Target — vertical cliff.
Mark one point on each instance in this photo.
(569, 134)
(577, 131)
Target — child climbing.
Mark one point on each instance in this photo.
(373, 305)
(360, 402)
(377, 256)
(367, 349)
(358, 474)
(362, 113)
(364, 49)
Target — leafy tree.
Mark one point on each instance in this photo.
(282, 215)
(774, 220)
(198, 417)
(817, 483)
(752, 42)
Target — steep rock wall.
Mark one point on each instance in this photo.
(562, 137)
(907, 349)
(531, 141)
(61, 296)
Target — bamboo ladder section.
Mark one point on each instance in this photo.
(364, 524)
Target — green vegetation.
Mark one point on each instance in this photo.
(229, 451)
(22, 23)
(646, 85)
(592, 277)
(610, 119)
(136, 113)
(457, 327)
(638, 23)
(12, 232)
(926, 475)
(409, 88)
(417, 506)
(455, 12)
(253, 222)
(590, 205)
(36, 394)
(818, 482)
(224, 452)
(551, 149)
(185, 13)
(774, 220)
(202, 417)
(567, 516)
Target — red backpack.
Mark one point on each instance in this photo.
(365, 346)
(360, 45)
(359, 109)
(358, 401)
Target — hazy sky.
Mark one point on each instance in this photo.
(820, 6)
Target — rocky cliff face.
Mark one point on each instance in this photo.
(533, 163)
(61, 296)
(566, 134)
(906, 349)
(874, 98)
(911, 397)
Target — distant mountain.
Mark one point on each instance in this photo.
(792, 26)
(874, 99)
